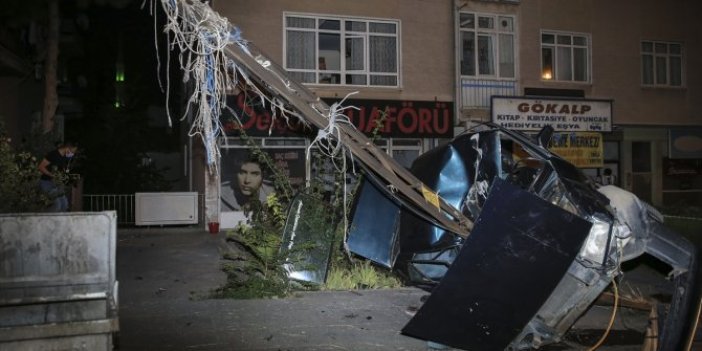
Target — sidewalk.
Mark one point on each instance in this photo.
(165, 275)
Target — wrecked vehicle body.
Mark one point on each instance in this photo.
(545, 244)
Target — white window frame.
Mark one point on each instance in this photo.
(655, 55)
(390, 145)
(344, 34)
(555, 46)
(496, 34)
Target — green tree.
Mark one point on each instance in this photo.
(47, 14)
(19, 180)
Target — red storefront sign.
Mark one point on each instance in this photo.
(398, 119)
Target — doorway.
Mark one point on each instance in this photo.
(641, 174)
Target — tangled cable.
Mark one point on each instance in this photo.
(200, 36)
(611, 319)
(324, 139)
(329, 143)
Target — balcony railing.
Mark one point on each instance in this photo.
(476, 93)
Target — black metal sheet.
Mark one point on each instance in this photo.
(445, 171)
(373, 230)
(520, 248)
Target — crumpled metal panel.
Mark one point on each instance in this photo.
(451, 170)
(444, 171)
(520, 248)
(461, 172)
(373, 231)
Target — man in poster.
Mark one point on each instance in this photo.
(246, 184)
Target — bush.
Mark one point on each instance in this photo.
(259, 251)
(257, 271)
(19, 180)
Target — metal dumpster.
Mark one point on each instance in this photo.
(58, 289)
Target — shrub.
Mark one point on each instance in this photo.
(19, 180)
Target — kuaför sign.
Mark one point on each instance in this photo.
(532, 114)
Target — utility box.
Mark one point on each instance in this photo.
(168, 208)
(58, 289)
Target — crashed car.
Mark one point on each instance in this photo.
(546, 243)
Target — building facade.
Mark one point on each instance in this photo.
(422, 64)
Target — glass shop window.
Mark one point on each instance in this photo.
(404, 151)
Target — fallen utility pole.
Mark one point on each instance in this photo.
(277, 82)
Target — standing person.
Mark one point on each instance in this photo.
(56, 163)
(607, 177)
(247, 185)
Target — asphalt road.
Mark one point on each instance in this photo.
(166, 275)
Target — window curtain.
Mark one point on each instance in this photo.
(647, 68)
(486, 57)
(506, 56)
(564, 66)
(580, 65)
(467, 53)
(354, 54)
(675, 71)
(382, 54)
(661, 74)
(300, 50)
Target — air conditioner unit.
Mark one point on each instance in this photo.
(166, 208)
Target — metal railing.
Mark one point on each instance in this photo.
(476, 93)
(125, 206)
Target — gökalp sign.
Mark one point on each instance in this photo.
(532, 114)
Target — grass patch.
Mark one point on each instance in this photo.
(360, 275)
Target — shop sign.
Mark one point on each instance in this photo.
(685, 143)
(530, 114)
(681, 167)
(397, 118)
(250, 113)
(402, 118)
(583, 149)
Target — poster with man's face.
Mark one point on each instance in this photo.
(245, 177)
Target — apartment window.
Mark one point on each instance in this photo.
(342, 51)
(487, 45)
(565, 57)
(661, 63)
